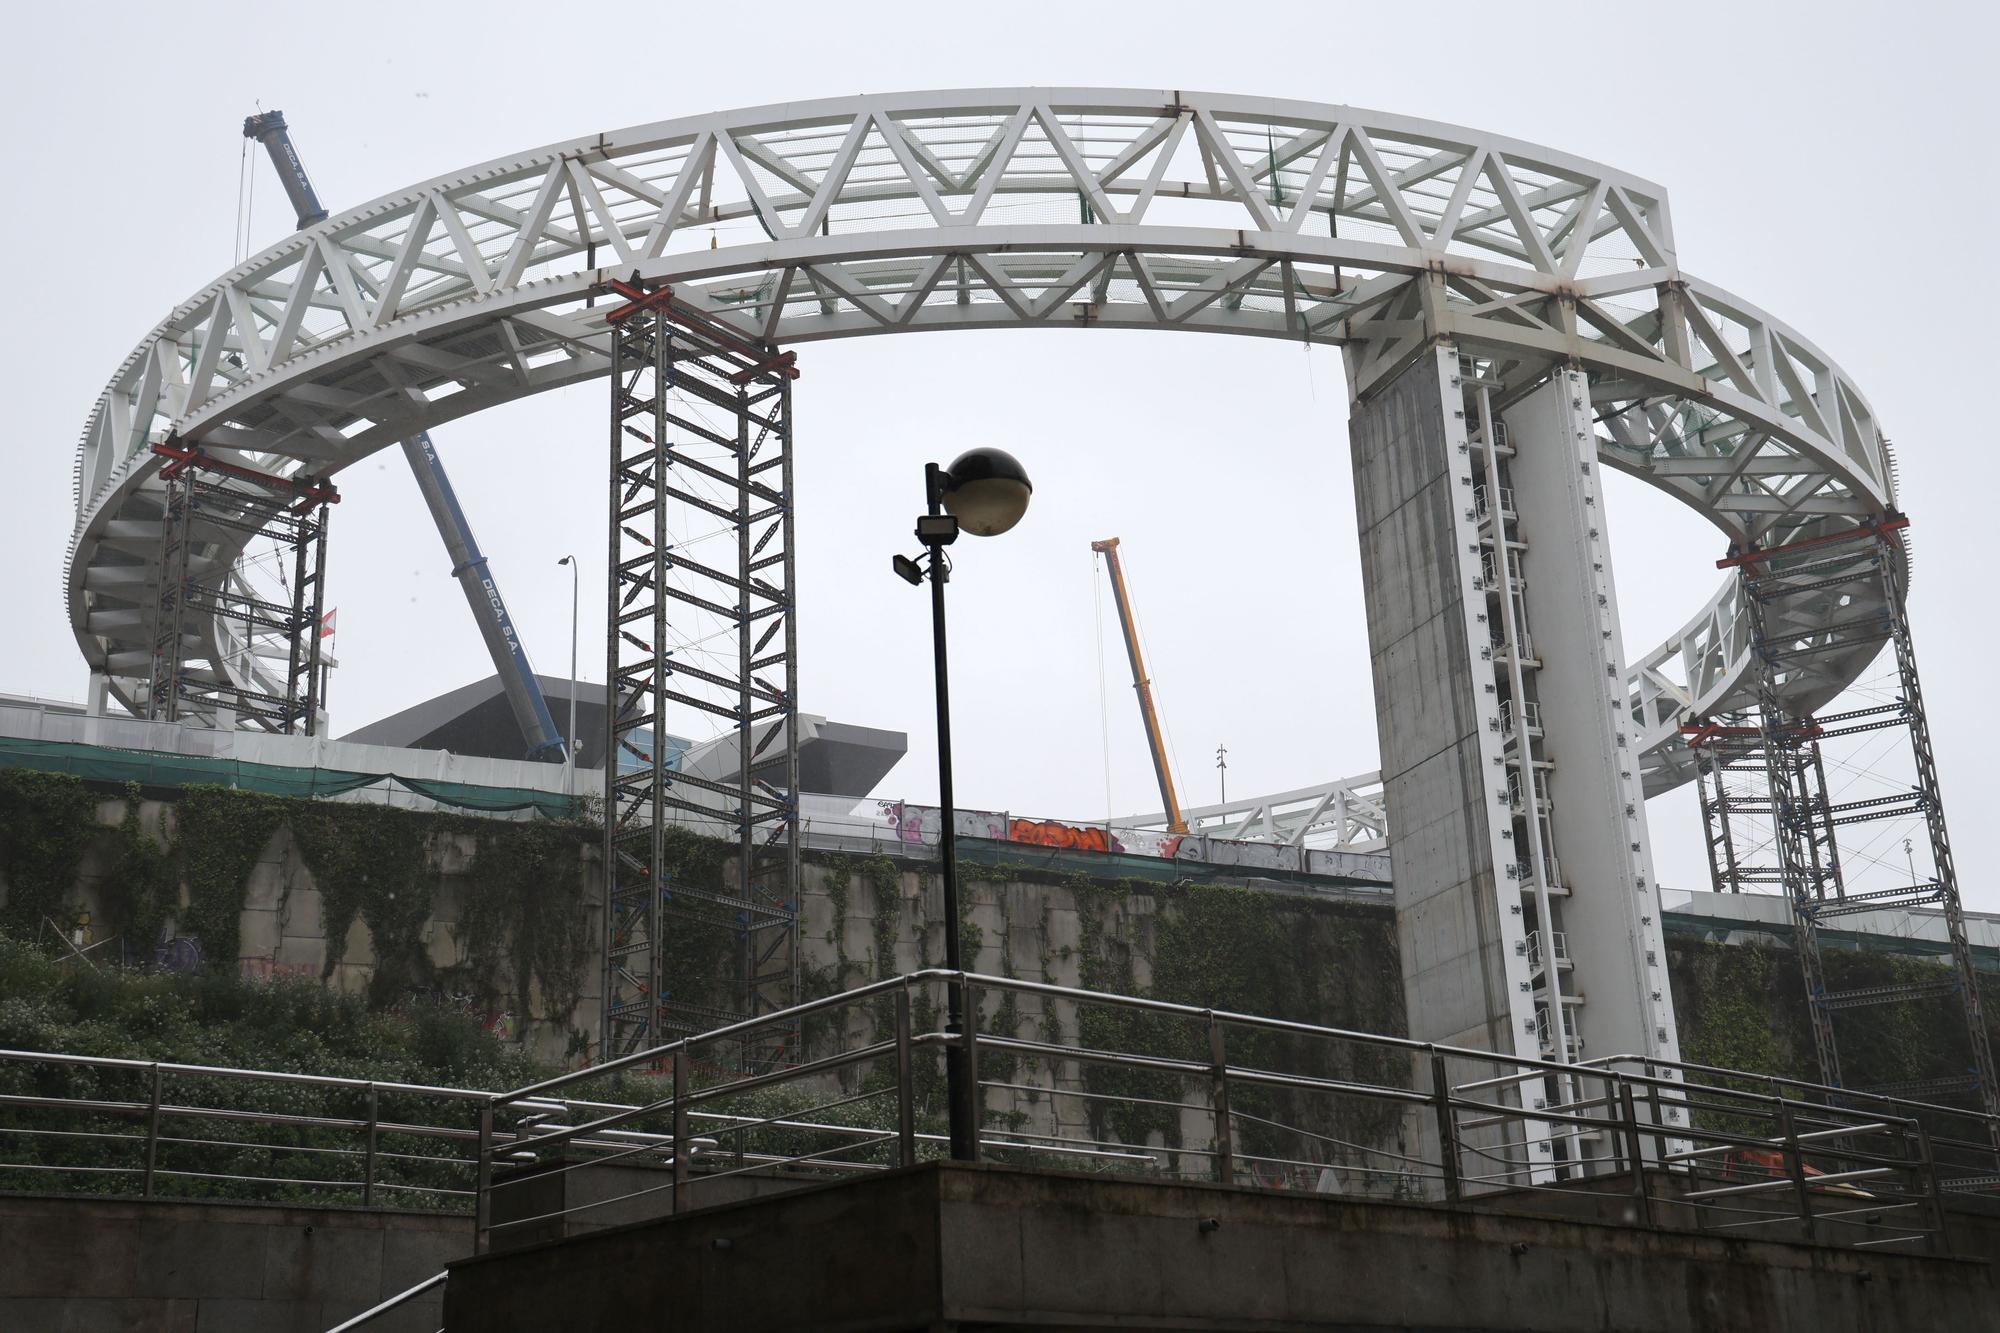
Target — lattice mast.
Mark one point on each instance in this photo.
(273, 678)
(1862, 568)
(1739, 814)
(700, 468)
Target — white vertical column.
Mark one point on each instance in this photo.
(96, 704)
(1611, 910)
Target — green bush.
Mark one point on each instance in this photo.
(216, 1020)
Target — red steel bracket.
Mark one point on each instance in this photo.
(1888, 523)
(182, 457)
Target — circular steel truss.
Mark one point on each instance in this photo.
(1002, 208)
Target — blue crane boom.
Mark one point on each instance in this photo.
(268, 128)
(482, 593)
(468, 562)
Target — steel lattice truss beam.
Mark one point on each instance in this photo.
(700, 641)
(1348, 815)
(1043, 208)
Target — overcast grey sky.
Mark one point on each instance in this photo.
(1828, 162)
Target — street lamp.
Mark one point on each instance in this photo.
(569, 747)
(984, 492)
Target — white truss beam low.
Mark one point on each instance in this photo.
(1014, 208)
(1347, 815)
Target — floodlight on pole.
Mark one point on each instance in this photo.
(984, 492)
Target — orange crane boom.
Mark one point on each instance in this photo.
(1108, 548)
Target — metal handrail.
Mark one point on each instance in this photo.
(654, 1054)
(1525, 1065)
(1465, 1122)
(223, 1071)
(556, 1138)
(157, 1110)
(399, 1298)
(1540, 1125)
(1825, 1091)
(152, 1138)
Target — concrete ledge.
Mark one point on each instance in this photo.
(81, 1265)
(944, 1246)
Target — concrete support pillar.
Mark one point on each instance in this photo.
(1459, 915)
(96, 705)
(1523, 878)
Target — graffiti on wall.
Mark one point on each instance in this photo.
(270, 969)
(1148, 842)
(915, 823)
(1050, 833)
(925, 823)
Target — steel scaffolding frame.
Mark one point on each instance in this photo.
(701, 438)
(211, 505)
(1738, 814)
(1783, 587)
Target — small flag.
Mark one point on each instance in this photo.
(326, 623)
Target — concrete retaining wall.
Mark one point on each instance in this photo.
(283, 933)
(942, 1247)
(82, 1265)
(951, 1243)
(860, 918)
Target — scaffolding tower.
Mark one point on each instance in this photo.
(272, 677)
(1860, 575)
(700, 636)
(1738, 813)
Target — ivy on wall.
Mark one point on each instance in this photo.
(1742, 1006)
(525, 931)
(372, 862)
(839, 874)
(699, 958)
(377, 864)
(1229, 947)
(47, 822)
(1202, 944)
(144, 868)
(528, 911)
(220, 833)
(48, 1004)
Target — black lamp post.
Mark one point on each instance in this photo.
(984, 492)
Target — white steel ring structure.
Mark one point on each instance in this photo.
(1034, 208)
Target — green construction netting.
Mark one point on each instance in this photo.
(149, 768)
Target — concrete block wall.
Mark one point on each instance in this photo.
(1033, 928)
(1033, 931)
(85, 1265)
(1029, 931)
(282, 930)
(953, 1246)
